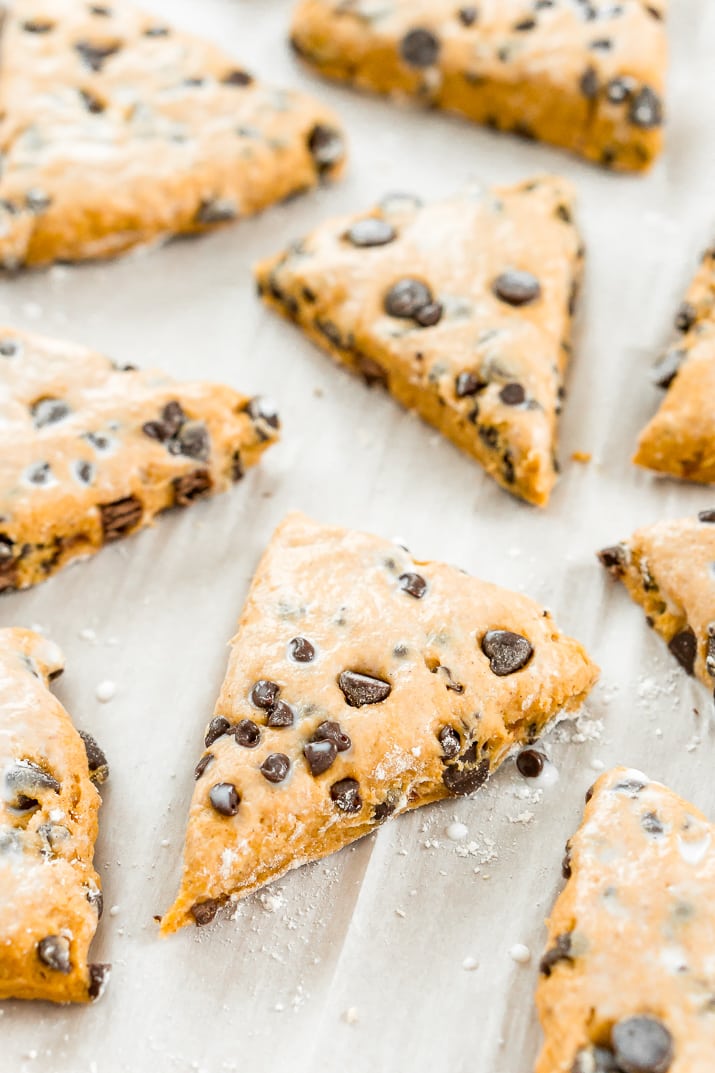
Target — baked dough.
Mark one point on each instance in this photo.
(361, 683)
(680, 439)
(628, 979)
(50, 896)
(118, 129)
(91, 451)
(668, 570)
(461, 308)
(586, 76)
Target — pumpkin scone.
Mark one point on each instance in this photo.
(91, 451)
(361, 683)
(628, 980)
(668, 568)
(680, 438)
(50, 896)
(589, 77)
(462, 309)
(118, 129)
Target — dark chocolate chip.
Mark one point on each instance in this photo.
(192, 441)
(320, 755)
(326, 147)
(631, 786)
(467, 15)
(247, 734)
(191, 486)
(96, 759)
(83, 471)
(419, 48)
(507, 652)
(120, 517)
(49, 412)
(280, 715)
(468, 384)
(371, 371)
(95, 56)
(384, 809)
(406, 297)
(449, 682)
(642, 1045)
(646, 109)
(530, 763)
(96, 900)
(525, 25)
(27, 777)
(39, 474)
(450, 741)
(667, 368)
(38, 26)
(684, 647)
(517, 288)
(346, 795)
(707, 516)
(264, 693)
(92, 103)
(560, 951)
(512, 394)
(589, 83)
(372, 231)
(685, 317)
(7, 549)
(332, 731)
(429, 315)
(566, 862)
(414, 584)
(216, 210)
(204, 912)
(614, 558)
(710, 651)
(275, 767)
(9, 348)
(225, 798)
(652, 824)
(99, 974)
(595, 1060)
(218, 726)
(54, 952)
(202, 765)
(262, 411)
(301, 650)
(464, 778)
(360, 689)
(237, 77)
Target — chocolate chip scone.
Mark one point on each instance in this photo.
(628, 979)
(461, 309)
(50, 896)
(117, 129)
(680, 439)
(361, 683)
(668, 570)
(91, 451)
(586, 76)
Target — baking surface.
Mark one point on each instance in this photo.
(357, 963)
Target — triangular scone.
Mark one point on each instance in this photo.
(586, 76)
(91, 451)
(461, 308)
(50, 897)
(668, 570)
(628, 978)
(361, 683)
(680, 439)
(118, 129)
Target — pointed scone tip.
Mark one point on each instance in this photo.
(668, 569)
(627, 981)
(91, 451)
(50, 895)
(461, 309)
(680, 439)
(601, 95)
(361, 683)
(118, 129)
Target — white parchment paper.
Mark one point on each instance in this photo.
(357, 964)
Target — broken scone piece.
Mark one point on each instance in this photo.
(461, 309)
(588, 77)
(680, 438)
(628, 979)
(118, 129)
(668, 570)
(91, 451)
(361, 683)
(50, 897)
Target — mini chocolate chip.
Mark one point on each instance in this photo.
(83, 471)
(264, 693)
(419, 48)
(320, 755)
(346, 795)
(263, 411)
(225, 798)
(646, 109)
(467, 15)
(92, 103)
(614, 558)
(667, 368)
(449, 682)
(507, 652)
(517, 288)
(414, 584)
(450, 741)
(218, 726)
(301, 650)
(39, 474)
(651, 824)
(512, 394)
(192, 441)
(326, 146)
(96, 900)
(237, 77)
(560, 951)
(468, 384)
(530, 763)
(372, 231)
(275, 767)
(384, 809)
(685, 317)
(631, 786)
(202, 765)
(589, 83)
(331, 731)
(406, 297)
(54, 952)
(566, 862)
(95, 56)
(96, 759)
(247, 734)
(525, 25)
(707, 516)
(280, 715)
(464, 778)
(684, 647)
(429, 315)
(216, 210)
(619, 89)
(37, 26)
(204, 912)
(48, 412)
(9, 348)
(360, 689)
(99, 974)
(642, 1045)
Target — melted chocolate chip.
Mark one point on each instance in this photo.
(406, 297)
(301, 650)
(360, 689)
(560, 951)
(27, 777)
(96, 759)
(512, 394)
(346, 795)
(450, 741)
(684, 647)
(225, 798)
(280, 715)
(372, 231)
(204, 912)
(530, 763)
(466, 775)
(320, 755)
(49, 412)
(275, 767)
(265, 693)
(642, 1045)
(517, 288)
(614, 558)
(507, 652)
(414, 584)
(54, 952)
(449, 682)
(468, 384)
(247, 734)
(384, 809)
(218, 726)
(202, 765)
(652, 824)
(326, 147)
(331, 731)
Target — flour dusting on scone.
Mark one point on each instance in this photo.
(50, 896)
(680, 439)
(117, 129)
(91, 451)
(461, 309)
(628, 978)
(669, 569)
(587, 76)
(361, 683)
